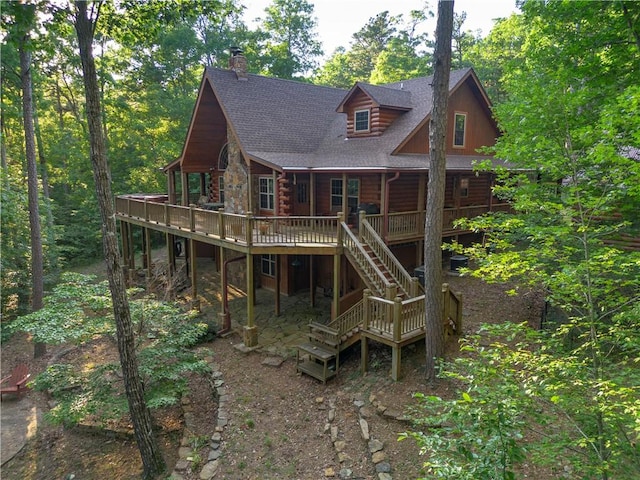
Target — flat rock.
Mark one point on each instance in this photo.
(375, 445)
(209, 470)
(241, 347)
(378, 457)
(273, 361)
(364, 428)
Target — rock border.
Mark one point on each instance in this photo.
(185, 453)
(375, 446)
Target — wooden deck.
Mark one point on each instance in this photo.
(257, 234)
(390, 313)
(262, 234)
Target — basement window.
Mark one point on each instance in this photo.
(361, 120)
(268, 265)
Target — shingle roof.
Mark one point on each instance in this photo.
(383, 96)
(294, 125)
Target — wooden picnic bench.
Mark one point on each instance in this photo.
(16, 382)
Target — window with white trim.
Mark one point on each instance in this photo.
(353, 194)
(268, 265)
(361, 121)
(267, 195)
(221, 188)
(459, 127)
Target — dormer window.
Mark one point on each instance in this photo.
(361, 121)
(459, 127)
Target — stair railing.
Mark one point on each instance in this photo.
(408, 284)
(349, 320)
(370, 273)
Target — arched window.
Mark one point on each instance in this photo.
(223, 157)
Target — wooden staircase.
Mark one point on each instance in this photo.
(379, 270)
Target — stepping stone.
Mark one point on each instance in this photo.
(273, 361)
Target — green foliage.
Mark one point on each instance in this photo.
(75, 312)
(79, 311)
(480, 433)
(15, 255)
(575, 194)
(288, 39)
(387, 49)
(521, 395)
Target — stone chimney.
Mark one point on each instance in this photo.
(238, 63)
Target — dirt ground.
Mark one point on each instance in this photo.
(279, 423)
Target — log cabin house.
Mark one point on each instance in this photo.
(318, 189)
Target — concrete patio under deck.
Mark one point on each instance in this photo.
(280, 334)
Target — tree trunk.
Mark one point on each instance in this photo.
(434, 339)
(153, 463)
(37, 261)
(44, 178)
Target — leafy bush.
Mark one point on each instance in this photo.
(78, 311)
(521, 394)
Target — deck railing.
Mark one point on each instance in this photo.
(303, 229)
(406, 225)
(247, 229)
(399, 319)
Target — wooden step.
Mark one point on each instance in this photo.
(316, 370)
(316, 360)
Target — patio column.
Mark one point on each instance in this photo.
(185, 189)
(250, 334)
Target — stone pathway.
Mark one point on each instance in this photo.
(211, 466)
(19, 420)
(278, 336)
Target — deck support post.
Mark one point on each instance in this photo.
(194, 275)
(336, 286)
(124, 228)
(250, 333)
(277, 290)
(147, 247)
(132, 249)
(396, 354)
(171, 255)
(312, 283)
(335, 304)
(364, 354)
(364, 340)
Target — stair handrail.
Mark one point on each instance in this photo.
(364, 263)
(349, 320)
(409, 284)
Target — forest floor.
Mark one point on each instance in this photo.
(280, 425)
